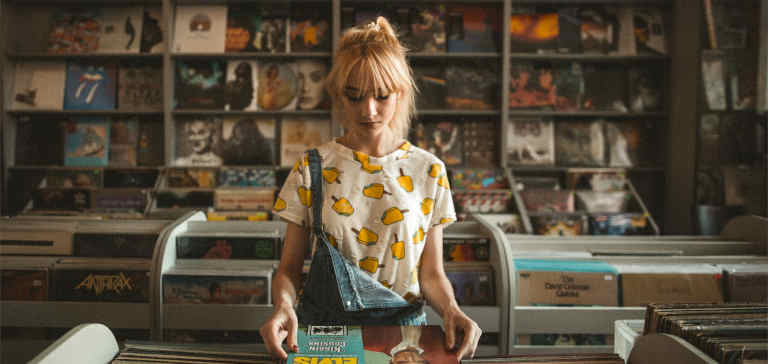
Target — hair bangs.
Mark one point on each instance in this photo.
(375, 73)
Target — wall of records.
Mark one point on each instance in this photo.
(157, 107)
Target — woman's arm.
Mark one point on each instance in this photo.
(283, 324)
(439, 293)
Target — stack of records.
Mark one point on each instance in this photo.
(584, 358)
(144, 352)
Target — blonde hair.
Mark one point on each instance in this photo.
(370, 58)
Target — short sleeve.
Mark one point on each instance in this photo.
(294, 199)
(444, 213)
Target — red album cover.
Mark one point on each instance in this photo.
(395, 344)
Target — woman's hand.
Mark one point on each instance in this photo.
(281, 326)
(455, 322)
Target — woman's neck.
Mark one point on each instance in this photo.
(374, 145)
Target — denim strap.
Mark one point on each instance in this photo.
(316, 175)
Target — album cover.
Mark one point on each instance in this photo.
(544, 200)
(114, 245)
(198, 142)
(533, 31)
(298, 135)
(602, 201)
(257, 29)
(78, 178)
(564, 225)
(121, 29)
(251, 199)
(211, 336)
(216, 289)
(153, 32)
(431, 82)
(630, 143)
(90, 86)
(72, 199)
(36, 148)
(531, 86)
(200, 247)
(74, 30)
(191, 177)
(649, 30)
(247, 140)
(310, 29)
(39, 85)
(596, 180)
(427, 29)
(481, 144)
(241, 86)
(478, 179)
(739, 140)
(482, 201)
(732, 25)
(744, 186)
(310, 79)
(619, 224)
(567, 339)
(713, 77)
(123, 141)
(472, 28)
(184, 199)
(471, 87)
(605, 88)
(627, 44)
(35, 25)
(200, 84)
(466, 250)
(277, 86)
(531, 142)
(741, 79)
(646, 85)
(151, 140)
(239, 215)
(140, 87)
(247, 177)
(599, 29)
(99, 284)
(580, 143)
(443, 139)
(472, 286)
(118, 199)
(24, 284)
(200, 29)
(569, 86)
(87, 141)
(524, 182)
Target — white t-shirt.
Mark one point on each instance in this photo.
(376, 211)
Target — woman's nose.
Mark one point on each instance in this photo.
(369, 106)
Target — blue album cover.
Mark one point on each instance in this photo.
(472, 287)
(86, 142)
(90, 86)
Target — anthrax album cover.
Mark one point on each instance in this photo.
(222, 247)
(104, 285)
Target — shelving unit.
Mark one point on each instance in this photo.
(741, 245)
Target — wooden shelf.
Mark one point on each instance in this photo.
(453, 55)
(587, 113)
(244, 55)
(587, 57)
(83, 112)
(254, 113)
(518, 168)
(75, 168)
(23, 56)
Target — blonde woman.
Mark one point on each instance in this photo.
(375, 204)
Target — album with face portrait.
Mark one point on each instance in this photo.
(247, 140)
(531, 141)
(200, 28)
(310, 79)
(277, 86)
(310, 30)
(443, 139)
(299, 135)
(531, 86)
(197, 140)
(200, 84)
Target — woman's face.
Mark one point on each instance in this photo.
(310, 75)
(367, 113)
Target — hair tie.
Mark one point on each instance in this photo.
(374, 26)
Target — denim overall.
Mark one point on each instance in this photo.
(338, 292)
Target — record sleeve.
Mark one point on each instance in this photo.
(431, 82)
(123, 141)
(472, 28)
(650, 34)
(481, 144)
(531, 86)
(580, 143)
(192, 177)
(114, 245)
(257, 29)
(466, 250)
(90, 86)
(427, 29)
(121, 29)
(247, 140)
(742, 82)
(73, 199)
(599, 29)
(140, 87)
(619, 224)
(310, 30)
(200, 29)
(443, 139)
(35, 25)
(216, 289)
(569, 86)
(150, 151)
(310, 79)
(127, 284)
(221, 247)
(153, 32)
(242, 85)
(544, 200)
(118, 199)
(472, 286)
(713, 76)
(200, 84)
(478, 179)
(87, 141)
(531, 142)
(646, 89)
(569, 24)
(35, 148)
(24, 284)
(533, 31)
(596, 180)
(128, 178)
(277, 86)
(74, 30)
(297, 135)
(603, 202)
(244, 199)
(198, 142)
(605, 88)
(563, 225)
(739, 142)
(247, 177)
(471, 87)
(630, 144)
(78, 178)
(39, 85)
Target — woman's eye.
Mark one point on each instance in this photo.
(382, 97)
(353, 98)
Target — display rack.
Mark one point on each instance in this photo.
(741, 245)
(663, 348)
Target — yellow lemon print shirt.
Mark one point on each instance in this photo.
(378, 209)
